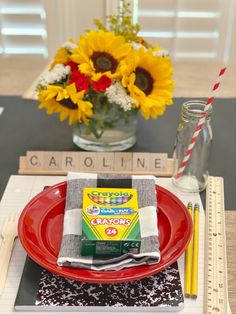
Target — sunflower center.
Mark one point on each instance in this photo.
(68, 104)
(103, 62)
(143, 80)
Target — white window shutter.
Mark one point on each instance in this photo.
(22, 24)
(187, 28)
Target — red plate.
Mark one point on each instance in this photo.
(40, 231)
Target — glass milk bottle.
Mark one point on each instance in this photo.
(195, 174)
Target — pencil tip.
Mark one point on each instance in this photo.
(194, 296)
(190, 205)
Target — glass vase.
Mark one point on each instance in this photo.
(110, 129)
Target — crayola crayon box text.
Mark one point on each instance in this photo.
(110, 224)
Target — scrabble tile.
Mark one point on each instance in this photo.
(105, 161)
(34, 160)
(52, 160)
(70, 161)
(123, 161)
(157, 162)
(140, 162)
(87, 161)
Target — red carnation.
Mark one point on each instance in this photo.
(73, 65)
(102, 84)
(81, 81)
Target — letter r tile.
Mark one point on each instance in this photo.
(69, 161)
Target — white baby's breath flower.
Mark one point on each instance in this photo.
(58, 73)
(137, 46)
(69, 45)
(161, 53)
(117, 94)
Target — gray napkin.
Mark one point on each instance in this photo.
(70, 249)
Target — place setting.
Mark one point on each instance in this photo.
(102, 225)
(107, 274)
(57, 276)
(48, 239)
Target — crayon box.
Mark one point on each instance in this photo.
(110, 224)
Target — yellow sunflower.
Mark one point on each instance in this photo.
(62, 56)
(99, 53)
(67, 102)
(148, 80)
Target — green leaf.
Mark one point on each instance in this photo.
(108, 125)
(93, 128)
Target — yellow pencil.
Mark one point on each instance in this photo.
(188, 260)
(194, 285)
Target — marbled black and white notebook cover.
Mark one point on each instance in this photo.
(41, 290)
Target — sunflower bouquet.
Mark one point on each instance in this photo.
(108, 73)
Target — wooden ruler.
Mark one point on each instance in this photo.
(216, 286)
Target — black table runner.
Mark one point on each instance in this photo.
(24, 127)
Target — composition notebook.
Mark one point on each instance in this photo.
(40, 290)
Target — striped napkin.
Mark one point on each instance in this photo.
(70, 249)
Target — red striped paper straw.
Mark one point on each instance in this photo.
(199, 125)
